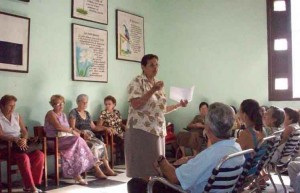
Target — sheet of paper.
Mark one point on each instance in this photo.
(178, 94)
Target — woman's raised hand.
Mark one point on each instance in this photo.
(184, 103)
(158, 85)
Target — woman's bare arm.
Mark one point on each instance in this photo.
(51, 117)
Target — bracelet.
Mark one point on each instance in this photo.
(15, 139)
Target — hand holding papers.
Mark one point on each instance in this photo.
(178, 94)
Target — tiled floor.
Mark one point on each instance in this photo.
(115, 184)
(118, 184)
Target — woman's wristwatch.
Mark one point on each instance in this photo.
(160, 159)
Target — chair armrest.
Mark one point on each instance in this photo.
(44, 140)
(165, 182)
(7, 147)
(106, 137)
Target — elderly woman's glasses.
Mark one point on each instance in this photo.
(59, 104)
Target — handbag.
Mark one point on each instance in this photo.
(32, 144)
(64, 134)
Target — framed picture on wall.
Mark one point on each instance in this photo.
(129, 36)
(14, 42)
(90, 10)
(89, 54)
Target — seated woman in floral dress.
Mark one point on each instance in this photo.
(76, 156)
(110, 119)
(80, 120)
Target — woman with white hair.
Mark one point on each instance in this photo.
(80, 120)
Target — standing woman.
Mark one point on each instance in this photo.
(145, 137)
(76, 155)
(13, 129)
(251, 116)
(80, 120)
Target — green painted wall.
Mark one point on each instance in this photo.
(50, 58)
(220, 46)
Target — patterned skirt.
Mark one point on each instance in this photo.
(96, 145)
(76, 156)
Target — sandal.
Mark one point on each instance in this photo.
(32, 191)
(80, 181)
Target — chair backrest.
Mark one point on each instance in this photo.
(223, 179)
(39, 131)
(289, 148)
(254, 164)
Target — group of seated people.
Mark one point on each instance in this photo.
(79, 147)
(225, 131)
(212, 134)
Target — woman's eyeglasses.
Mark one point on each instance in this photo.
(59, 104)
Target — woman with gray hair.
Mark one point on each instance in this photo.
(80, 120)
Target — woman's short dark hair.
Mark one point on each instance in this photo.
(278, 115)
(293, 114)
(148, 57)
(110, 98)
(252, 110)
(202, 104)
(6, 99)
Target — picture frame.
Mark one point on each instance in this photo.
(90, 10)
(130, 43)
(14, 43)
(89, 54)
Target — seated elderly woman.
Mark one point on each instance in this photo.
(13, 129)
(273, 119)
(80, 120)
(110, 119)
(194, 138)
(76, 155)
(291, 118)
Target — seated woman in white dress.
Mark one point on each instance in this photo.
(13, 129)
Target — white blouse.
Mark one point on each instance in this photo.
(10, 128)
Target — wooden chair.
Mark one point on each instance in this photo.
(171, 141)
(109, 142)
(5, 156)
(39, 132)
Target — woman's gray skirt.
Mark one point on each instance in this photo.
(141, 150)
